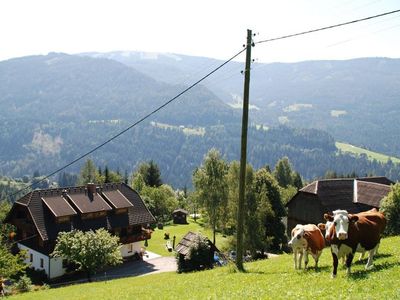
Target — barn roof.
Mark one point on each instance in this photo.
(44, 205)
(184, 245)
(344, 193)
(180, 210)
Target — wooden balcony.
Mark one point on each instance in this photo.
(145, 234)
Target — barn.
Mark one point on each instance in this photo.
(352, 194)
(179, 216)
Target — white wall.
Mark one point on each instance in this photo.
(53, 270)
(135, 247)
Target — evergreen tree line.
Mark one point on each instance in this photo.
(177, 152)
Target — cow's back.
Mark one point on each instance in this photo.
(367, 230)
(314, 237)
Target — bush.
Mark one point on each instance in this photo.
(24, 284)
(37, 277)
(391, 208)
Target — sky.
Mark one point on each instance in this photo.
(209, 28)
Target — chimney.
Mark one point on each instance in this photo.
(91, 188)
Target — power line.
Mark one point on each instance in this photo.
(196, 83)
(133, 125)
(327, 27)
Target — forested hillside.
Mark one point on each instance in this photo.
(354, 100)
(57, 107)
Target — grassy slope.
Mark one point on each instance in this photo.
(273, 278)
(157, 242)
(371, 155)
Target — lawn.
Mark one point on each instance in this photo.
(347, 148)
(157, 242)
(273, 278)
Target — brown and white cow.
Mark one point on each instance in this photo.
(306, 239)
(350, 233)
(325, 232)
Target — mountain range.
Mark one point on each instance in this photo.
(57, 106)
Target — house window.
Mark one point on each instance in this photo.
(42, 263)
(64, 263)
(31, 257)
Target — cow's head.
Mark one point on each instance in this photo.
(340, 223)
(297, 237)
(326, 229)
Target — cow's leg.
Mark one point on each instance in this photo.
(349, 259)
(295, 258)
(316, 258)
(371, 257)
(361, 256)
(300, 258)
(335, 264)
(305, 258)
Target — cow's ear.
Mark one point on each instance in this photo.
(328, 217)
(321, 226)
(353, 218)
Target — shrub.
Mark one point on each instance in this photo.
(391, 208)
(24, 284)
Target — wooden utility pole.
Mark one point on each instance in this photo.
(243, 154)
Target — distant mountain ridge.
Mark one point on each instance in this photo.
(356, 100)
(56, 107)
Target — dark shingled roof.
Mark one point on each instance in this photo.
(42, 213)
(344, 193)
(181, 210)
(89, 203)
(59, 206)
(184, 245)
(370, 193)
(116, 199)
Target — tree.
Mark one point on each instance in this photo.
(297, 182)
(283, 172)
(5, 207)
(89, 250)
(138, 182)
(210, 182)
(151, 173)
(11, 265)
(391, 208)
(161, 201)
(88, 173)
(270, 207)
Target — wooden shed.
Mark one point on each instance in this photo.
(354, 195)
(179, 216)
(183, 249)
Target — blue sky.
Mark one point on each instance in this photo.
(212, 28)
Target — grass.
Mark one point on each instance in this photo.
(157, 242)
(347, 148)
(273, 278)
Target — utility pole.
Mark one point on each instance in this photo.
(243, 154)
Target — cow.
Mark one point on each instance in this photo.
(352, 232)
(306, 239)
(325, 231)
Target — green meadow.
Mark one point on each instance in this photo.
(347, 148)
(157, 243)
(273, 278)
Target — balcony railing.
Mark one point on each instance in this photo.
(145, 234)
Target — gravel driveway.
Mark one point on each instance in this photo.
(149, 265)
